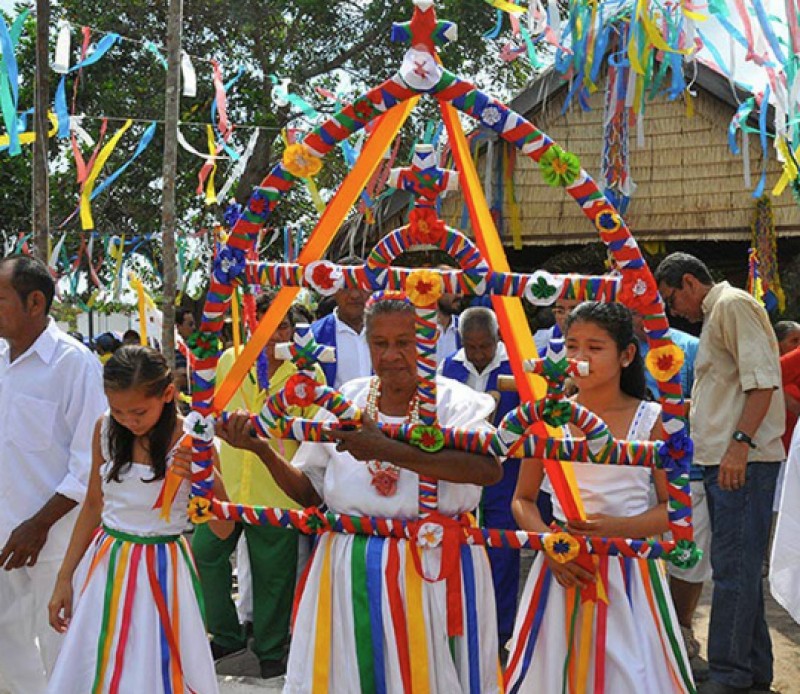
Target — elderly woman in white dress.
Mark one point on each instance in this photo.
(366, 618)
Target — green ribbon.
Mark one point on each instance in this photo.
(140, 539)
(361, 618)
(101, 642)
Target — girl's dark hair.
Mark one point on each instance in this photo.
(617, 321)
(143, 368)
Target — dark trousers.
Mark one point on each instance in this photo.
(739, 644)
(273, 566)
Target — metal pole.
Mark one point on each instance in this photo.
(172, 107)
(41, 186)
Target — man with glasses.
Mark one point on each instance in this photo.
(736, 418)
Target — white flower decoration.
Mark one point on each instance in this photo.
(199, 427)
(430, 535)
(325, 277)
(640, 287)
(543, 288)
(420, 70)
(491, 115)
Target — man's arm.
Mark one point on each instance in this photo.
(733, 466)
(28, 538)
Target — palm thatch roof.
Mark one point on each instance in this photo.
(690, 186)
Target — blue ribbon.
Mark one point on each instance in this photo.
(60, 105)
(762, 135)
(147, 138)
(9, 78)
(494, 33)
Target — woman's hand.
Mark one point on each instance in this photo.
(364, 443)
(570, 575)
(182, 459)
(597, 525)
(238, 432)
(59, 608)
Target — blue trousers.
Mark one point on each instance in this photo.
(739, 644)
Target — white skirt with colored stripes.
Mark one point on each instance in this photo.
(137, 624)
(631, 643)
(366, 621)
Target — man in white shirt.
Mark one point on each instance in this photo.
(344, 331)
(51, 394)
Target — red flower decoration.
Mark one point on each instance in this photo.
(425, 226)
(301, 390)
(638, 289)
(258, 205)
(363, 109)
(323, 276)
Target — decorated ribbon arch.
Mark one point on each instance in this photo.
(484, 269)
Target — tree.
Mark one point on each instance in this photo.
(341, 45)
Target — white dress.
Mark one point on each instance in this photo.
(366, 621)
(137, 623)
(558, 635)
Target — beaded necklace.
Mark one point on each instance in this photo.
(385, 475)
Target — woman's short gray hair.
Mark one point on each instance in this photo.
(384, 307)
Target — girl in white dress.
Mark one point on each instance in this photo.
(127, 594)
(612, 629)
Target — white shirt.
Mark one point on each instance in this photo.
(477, 381)
(352, 353)
(50, 398)
(447, 342)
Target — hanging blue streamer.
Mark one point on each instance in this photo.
(766, 27)
(498, 27)
(762, 135)
(147, 138)
(60, 104)
(9, 82)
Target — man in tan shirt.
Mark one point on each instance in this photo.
(737, 421)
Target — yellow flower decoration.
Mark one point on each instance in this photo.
(424, 287)
(664, 362)
(562, 547)
(200, 510)
(299, 161)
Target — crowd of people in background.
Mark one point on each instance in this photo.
(97, 425)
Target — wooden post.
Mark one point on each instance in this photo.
(41, 187)
(172, 108)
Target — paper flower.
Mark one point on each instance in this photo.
(229, 264)
(430, 535)
(199, 427)
(685, 555)
(204, 345)
(301, 390)
(638, 288)
(419, 70)
(425, 227)
(676, 454)
(491, 115)
(562, 547)
(326, 278)
(664, 362)
(300, 162)
(559, 168)
(557, 413)
(542, 288)
(312, 521)
(199, 510)
(427, 438)
(607, 222)
(424, 287)
(232, 213)
(258, 205)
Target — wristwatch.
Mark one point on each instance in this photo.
(740, 436)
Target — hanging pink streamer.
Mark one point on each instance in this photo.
(224, 127)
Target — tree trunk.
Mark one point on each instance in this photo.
(172, 108)
(41, 190)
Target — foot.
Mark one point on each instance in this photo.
(763, 687)
(699, 668)
(272, 668)
(219, 652)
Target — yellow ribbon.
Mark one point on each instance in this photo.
(506, 6)
(319, 240)
(119, 581)
(141, 304)
(790, 171)
(324, 632)
(86, 194)
(28, 137)
(415, 618)
(211, 193)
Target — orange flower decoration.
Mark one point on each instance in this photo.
(299, 161)
(664, 362)
(199, 510)
(425, 226)
(424, 287)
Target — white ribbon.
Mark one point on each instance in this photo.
(61, 58)
(239, 167)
